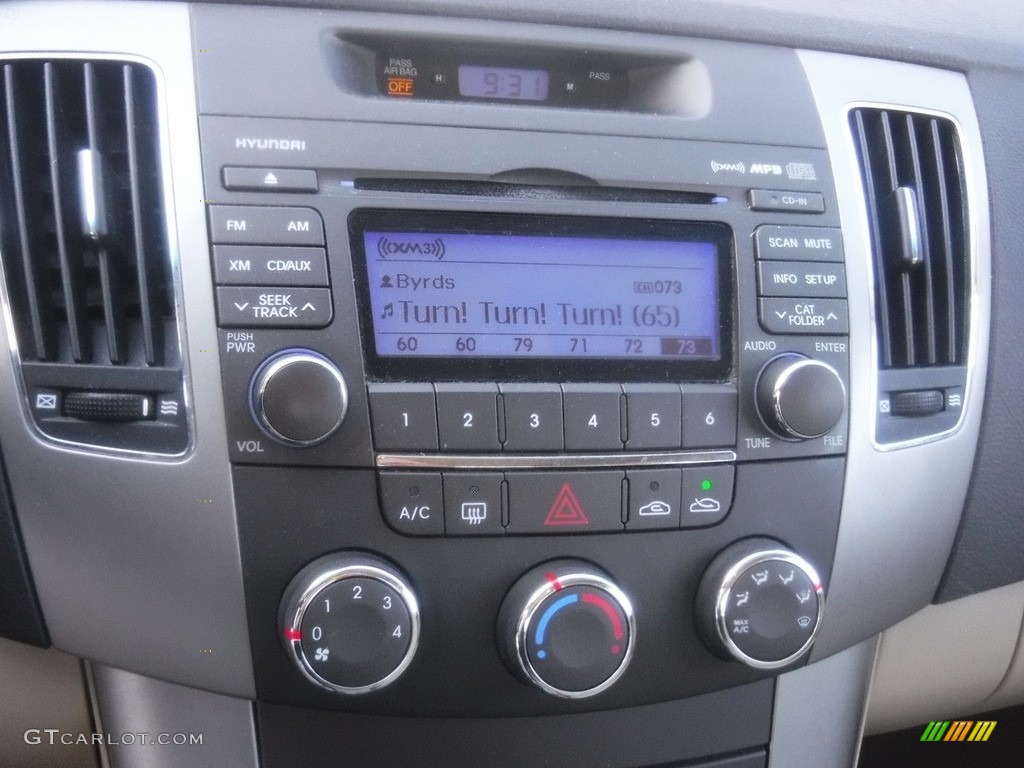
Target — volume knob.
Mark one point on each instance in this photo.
(799, 398)
(298, 397)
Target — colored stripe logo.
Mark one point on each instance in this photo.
(958, 730)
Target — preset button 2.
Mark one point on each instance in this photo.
(467, 417)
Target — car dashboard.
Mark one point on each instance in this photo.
(459, 383)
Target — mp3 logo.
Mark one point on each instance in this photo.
(766, 169)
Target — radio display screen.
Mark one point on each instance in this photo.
(480, 287)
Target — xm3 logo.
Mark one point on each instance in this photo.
(389, 248)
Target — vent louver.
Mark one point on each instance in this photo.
(86, 256)
(914, 184)
(82, 230)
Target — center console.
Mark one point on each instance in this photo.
(522, 415)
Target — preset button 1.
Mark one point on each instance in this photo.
(403, 417)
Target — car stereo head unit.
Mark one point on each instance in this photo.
(471, 296)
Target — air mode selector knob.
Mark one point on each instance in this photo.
(298, 397)
(350, 622)
(799, 398)
(759, 603)
(566, 628)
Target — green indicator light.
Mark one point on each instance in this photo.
(706, 485)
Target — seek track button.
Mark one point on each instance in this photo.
(274, 308)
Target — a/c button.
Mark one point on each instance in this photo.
(412, 502)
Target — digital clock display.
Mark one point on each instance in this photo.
(503, 83)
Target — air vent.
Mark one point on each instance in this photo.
(81, 211)
(84, 244)
(914, 185)
(913, 178)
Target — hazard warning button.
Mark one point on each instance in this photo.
(564, 502)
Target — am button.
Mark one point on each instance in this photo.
(265, 225)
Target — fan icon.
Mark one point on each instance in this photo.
(322, 654)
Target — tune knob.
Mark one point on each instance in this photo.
(759, 603)
(298, 397)
(567, 629)
(350, 622)
(799, 398)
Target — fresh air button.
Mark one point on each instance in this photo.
(805, 316)
(269, 179)
(274, 308)
(774, 241)
(790, 202)
(265, 225)
(801, 278)
(412, 502)
(592, 421)
(403, 417)
(533, 417)
(707, 495)
(564, 502)
(467, 417)
(269, 265)
(472, 503)
(653, 498)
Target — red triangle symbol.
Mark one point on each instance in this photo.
(567, 509)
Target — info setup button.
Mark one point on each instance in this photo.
(274, 307)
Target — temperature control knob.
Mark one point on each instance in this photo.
(350, 622)
(760, 604)
(298, 397)
(799, 398)
(567, 629)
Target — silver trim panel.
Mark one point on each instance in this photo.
(136, 559)
(901, 506)
(132, 704)
(550, 461)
